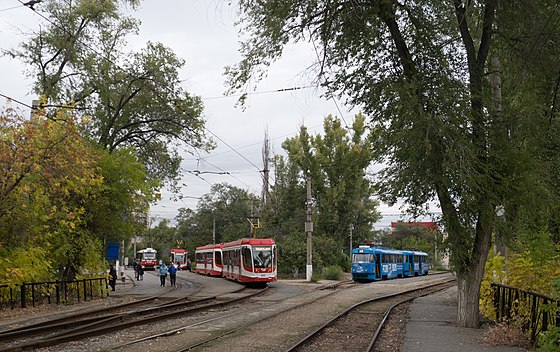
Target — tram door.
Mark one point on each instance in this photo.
(378, 266)
(411, 264)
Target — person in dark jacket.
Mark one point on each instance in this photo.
(173, 274)
(112, 277)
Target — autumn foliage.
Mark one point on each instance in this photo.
(47, 174)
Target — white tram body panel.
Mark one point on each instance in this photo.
(250, 260)
(209, 260)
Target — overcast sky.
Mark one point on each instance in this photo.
(202, 33)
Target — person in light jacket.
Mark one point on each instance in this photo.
(162, 274)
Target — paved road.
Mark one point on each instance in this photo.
(188, 283)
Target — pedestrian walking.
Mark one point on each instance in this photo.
(137, 267)
(162, 274)
(173, 274)
(112, 277)
(140, 272)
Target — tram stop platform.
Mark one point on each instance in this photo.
(432, 327)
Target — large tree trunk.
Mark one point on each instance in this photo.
(467, 302)
(469, 277)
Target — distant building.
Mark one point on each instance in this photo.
(430, 225)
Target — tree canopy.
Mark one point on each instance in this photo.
(419, 70)
(130, 99)
(49, 172)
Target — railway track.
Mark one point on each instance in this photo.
(98, 322)
(358, 327)
(257, 312)
(216, 330)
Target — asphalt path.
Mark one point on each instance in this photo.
(188, 283)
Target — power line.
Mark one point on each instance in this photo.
(281, 90)
(17, 101)
(11, 8)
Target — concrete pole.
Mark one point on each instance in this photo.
(351, 228)
(309, 232)
(214, 231)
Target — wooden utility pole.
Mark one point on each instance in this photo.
(309, 231)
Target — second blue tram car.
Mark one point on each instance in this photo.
(377, 263)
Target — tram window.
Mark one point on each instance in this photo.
(362, 258)
(236, 261)
(262, 256)
(218, 259)
(246, 252)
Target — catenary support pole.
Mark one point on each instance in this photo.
(309, 231)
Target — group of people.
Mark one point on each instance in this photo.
(164, 269)
(167, 269)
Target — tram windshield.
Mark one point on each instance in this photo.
(179, 257)
(362, 258)
(262, 256)
(149, 255)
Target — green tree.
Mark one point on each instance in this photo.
(131, 99)
(410, 235)
(226, 208)
(48, 173)
(284, 213)
(119, 212)
(418, 69)
(162, 238)
(292, 254)
(337, 164)
(187, 230)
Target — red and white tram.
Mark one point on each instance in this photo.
(148, 258)
(181, 258)
(250, 260)
(209, 259)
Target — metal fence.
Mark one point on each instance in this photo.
(538, 312)
(59, 292)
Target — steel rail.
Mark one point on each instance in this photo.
(65, 321)
(329, 323)
(124, 320)
(388, 312)
(231, 331)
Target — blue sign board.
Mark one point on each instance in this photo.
(113, 251)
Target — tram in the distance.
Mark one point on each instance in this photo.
(180, 257)
(148, 258)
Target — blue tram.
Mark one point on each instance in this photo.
(378, 263)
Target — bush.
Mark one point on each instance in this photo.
(333, 272)
(315, 277)
(549, 341)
